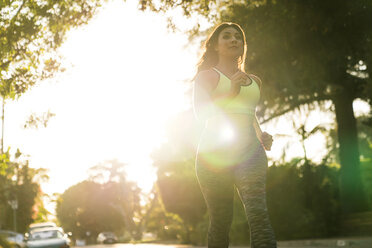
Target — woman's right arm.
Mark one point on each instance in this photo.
(205, 83)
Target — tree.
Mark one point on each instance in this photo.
(30, 33)
(314, 61)
(20, 183)
(181, 194)
(365, 144)
(112, 175)
(87, 207)
(305, 52)
(299, 210)
(177, 182)
(166, 225)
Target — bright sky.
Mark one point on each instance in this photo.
(126, 80)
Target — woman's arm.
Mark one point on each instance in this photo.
(205, 83)
(205, 102)
(265, 138)
(257, 127)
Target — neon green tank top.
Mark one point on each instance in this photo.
(244, 103)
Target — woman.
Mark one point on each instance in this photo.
(231, 149)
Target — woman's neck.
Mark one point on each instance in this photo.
(229, 67)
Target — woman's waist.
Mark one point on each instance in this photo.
(229, 129)
(234, 120)
(233, 135)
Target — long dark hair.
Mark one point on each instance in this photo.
(210, 55)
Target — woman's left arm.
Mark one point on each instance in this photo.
(265, 138)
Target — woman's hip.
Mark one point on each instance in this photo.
(218, 154)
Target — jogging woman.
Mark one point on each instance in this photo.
(231, 151)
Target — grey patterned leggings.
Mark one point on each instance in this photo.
(217, 187)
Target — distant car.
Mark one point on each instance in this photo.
(14, 238)
(48, 237)
(41, 225)
(107, 238)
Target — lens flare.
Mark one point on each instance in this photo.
(225, 144)
(227, 133)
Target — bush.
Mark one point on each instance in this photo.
(303, 201)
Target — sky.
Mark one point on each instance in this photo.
(124, 78)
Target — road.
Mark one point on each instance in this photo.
(137, 246)
(144, 246)
(365, 242)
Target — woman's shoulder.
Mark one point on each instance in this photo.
(257, 79)
(208, 76)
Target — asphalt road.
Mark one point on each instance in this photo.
(321, 243)
(182, 246)
(136, 246)
(365, 242)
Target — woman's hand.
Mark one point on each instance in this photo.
(240, 79)
(237, 80)
(267, 141)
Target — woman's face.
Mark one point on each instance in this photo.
(230, 43)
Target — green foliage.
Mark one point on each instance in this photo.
(365, 145)
(34, 121)
(21, 183)
(116, 204)
(177, 182)
(180, 194)
(366, 170)
(41, 214)
(303, 201)
(166, 225)
(89, 206)
(188, 6)
(127, 201)
(116, 208)
(4, 162)
(30, 32)
(178, 188)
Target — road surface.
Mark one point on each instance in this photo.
(364, 242)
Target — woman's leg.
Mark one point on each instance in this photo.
(218, 192)
(250, 180)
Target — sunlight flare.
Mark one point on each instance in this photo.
(124, 80)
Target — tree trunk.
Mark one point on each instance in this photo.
(351, 188)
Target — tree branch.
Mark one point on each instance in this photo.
(19, 10)
(308, 101)
(17, 53)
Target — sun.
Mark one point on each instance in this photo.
(125, 78)
(135, 80)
